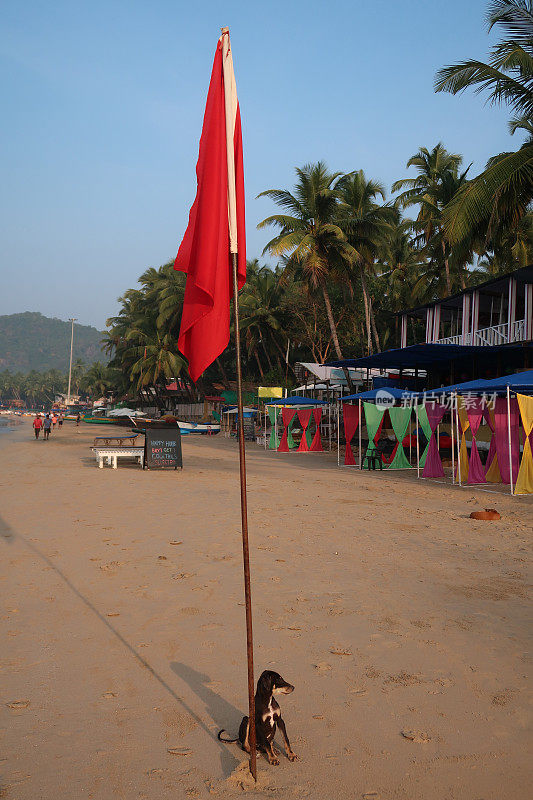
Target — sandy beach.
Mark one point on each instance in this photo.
(402, 623)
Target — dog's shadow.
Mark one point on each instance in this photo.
(223, 714)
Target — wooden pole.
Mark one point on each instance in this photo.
(244, 525)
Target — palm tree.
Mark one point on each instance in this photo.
(366, 224)
(157, 358)
(504, 191)
(261, 315)
(310, 237)
(437, 182)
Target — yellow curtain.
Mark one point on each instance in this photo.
(493, 473)
(524, 482)
(463, 452)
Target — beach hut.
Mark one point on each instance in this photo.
(308, 413)
(506, 405)
(376, 405)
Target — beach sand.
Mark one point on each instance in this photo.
(402, 623)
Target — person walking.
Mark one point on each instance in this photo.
(37, 425)
(60, 420)
(54, 420)
(78, 419)
(47, 427)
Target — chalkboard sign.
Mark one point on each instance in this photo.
(249, 429)
(162, 448)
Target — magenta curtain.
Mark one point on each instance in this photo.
(350, 416)
(316, 444)
(492, 446)
(501, 435)
(286, 414)
(304, 415)
(475, 413)
(433, 467)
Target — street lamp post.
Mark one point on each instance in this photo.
(72, 320)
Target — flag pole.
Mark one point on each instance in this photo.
(244, 522)
(230, 103)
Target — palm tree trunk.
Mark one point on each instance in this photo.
(367, 310)
(259, 364)
(374, 328)
(446, 267)
(265, 348)
(220, 365)
(334, 336)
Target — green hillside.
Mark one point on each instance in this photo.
(32, 341)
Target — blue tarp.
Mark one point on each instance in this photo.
(385, 395)
(296, 400)
(518, 382)
(425, 356)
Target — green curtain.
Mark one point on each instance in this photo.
(400, 418)
(290, 441)
(373, 417)
(423, 422)
(273, 443)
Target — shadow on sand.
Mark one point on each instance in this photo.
(221, 712)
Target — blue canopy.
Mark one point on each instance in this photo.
(384, 395)
(296, 400)
(517, 382)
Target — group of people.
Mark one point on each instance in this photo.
(48, 424)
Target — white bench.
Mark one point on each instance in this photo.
(112, 454)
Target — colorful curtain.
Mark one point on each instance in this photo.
(426, 428)
(400, 418)
(273, 412)
(287, 415)
(524, 482)
(475, 412)
(433, 467)
(462, 459)
(316, 444)
(492, 469)
(350, 418)
(374, 421)
(501, 434)
(304, 415)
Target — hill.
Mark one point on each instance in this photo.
(32, 341)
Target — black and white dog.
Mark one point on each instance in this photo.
(267, 718)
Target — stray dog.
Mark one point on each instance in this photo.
(267, 717)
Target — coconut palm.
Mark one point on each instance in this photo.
(366, 223)
(310, 238)
(432, 190)
(504, 191)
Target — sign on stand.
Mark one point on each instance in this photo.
(162, 448)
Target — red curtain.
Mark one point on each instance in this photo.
(316, 444)
(286, 414)
(304, 415)
(350, 415)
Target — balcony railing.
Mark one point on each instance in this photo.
(495, 334)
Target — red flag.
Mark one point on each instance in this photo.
(216, 223)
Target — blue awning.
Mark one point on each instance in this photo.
(296, 400)
(383, 396)
(521, 382)
(426, 356)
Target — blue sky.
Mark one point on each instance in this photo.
(102, 105)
